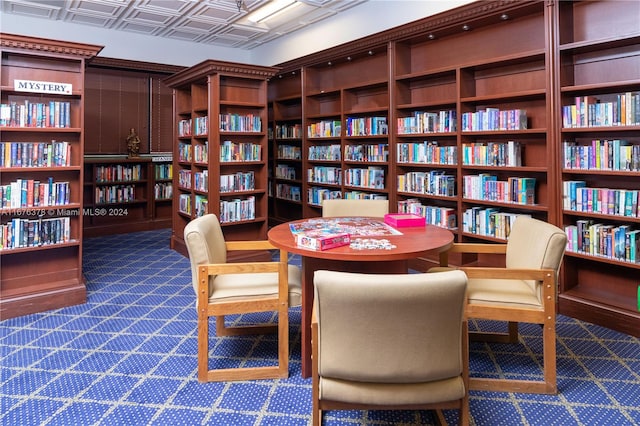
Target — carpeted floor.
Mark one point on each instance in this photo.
(128, 357)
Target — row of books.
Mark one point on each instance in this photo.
(184, 128)
(21, 232)
(115, 194)
(185, 152)
(444, 217)
(52, 114)
(618, 202)
(163, 191)
(243, 151)
(324, 129)
(237, 210)
(315, 195)
(366, 126)
(325, 174)
(200, 126)
(499, 154)
(428, 122)
(240, 181)
(184, 204)
(371, 177)
(24, 193)
(201, 205)
(426, 153)
(325, 152)
(184, 178)
(490, 119)
(359, 195)
(163, 171)
(434, 182)
(288, 131)
(619, 109)
(118, 173)
(200, 181)
(489, 222)
(201, 153)
(374, 153)
(598, 239)
(602, 154)
(285, 171)
(35, 154)
(240, 123)
(289, 152)
(288, 192)
(519, 190)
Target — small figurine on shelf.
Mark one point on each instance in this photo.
(133, 144)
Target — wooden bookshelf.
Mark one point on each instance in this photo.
(486, 57)
(346, 128)
(221, 114)
(41, 253)
(286, 174)
(598, 57)
(120, 194)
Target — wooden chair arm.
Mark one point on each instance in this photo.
(471, 248)
(249, 245)
(478, 248)
(239, 268)
(508, 274)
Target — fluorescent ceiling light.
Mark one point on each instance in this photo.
(271, 9)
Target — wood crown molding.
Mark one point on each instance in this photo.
(476, 14)
(130, 65)
(36, 44)
(199, 72)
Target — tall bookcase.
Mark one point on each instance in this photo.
(286, 175)
(598, 110)
(41, 175)
(346, 129)
(221, 146)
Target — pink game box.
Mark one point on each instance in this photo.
(322, 242)
(401, 220)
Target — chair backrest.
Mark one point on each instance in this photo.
(390, 328)
(205, 244)
(535, 244)
(352, 207)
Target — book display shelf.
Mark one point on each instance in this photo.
(346, 129)
(42, 138)
(497, 109)
(126, 194)
(221, 148)
(599, 130)
(285, 148)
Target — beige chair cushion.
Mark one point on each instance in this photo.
(260, 285)
(381, 331)
(205, 244)
(349, 207)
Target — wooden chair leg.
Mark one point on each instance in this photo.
(203, 346)
(549, 357)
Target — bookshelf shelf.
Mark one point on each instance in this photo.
(233, 98)
(42, 260)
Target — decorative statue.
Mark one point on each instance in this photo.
(133, 144)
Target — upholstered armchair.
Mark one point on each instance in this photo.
(524, 290)
(224, 288)
(352, 207)
(388, 341)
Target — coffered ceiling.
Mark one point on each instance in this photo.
(211, 22)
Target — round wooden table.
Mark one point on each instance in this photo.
(412, 243)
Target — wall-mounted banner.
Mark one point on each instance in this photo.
(42, 87)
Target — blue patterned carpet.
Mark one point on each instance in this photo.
(128, 357)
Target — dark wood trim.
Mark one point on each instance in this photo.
(47, 46)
